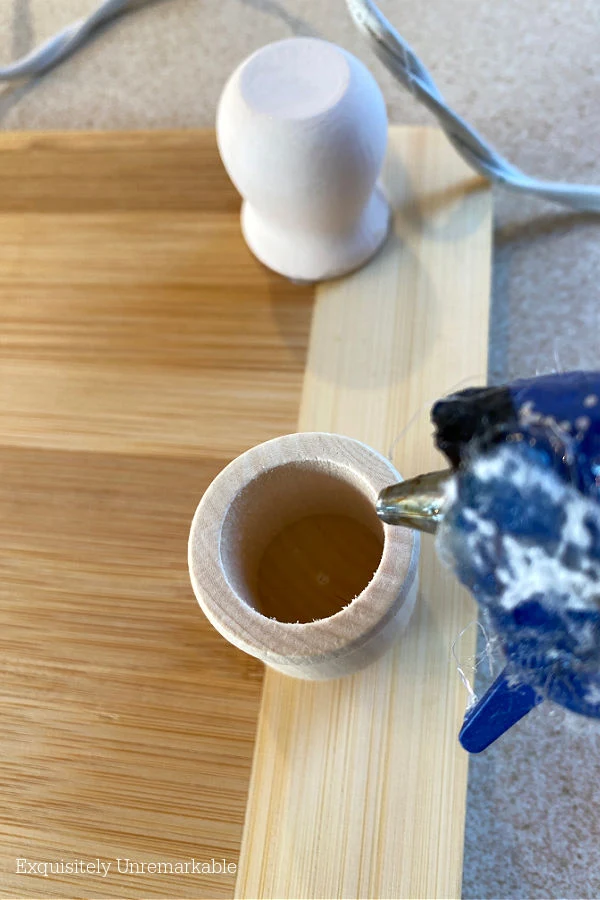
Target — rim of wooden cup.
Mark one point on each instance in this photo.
(250, 502)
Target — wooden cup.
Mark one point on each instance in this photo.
(289, 561)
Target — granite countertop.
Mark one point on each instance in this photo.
(526, 74)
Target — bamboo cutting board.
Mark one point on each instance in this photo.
(142, 348)
(359, 784)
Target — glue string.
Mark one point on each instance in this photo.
(573, 363)
(427, 404)
(471, 663)
(557, 361)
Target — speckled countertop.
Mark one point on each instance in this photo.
(526, 73)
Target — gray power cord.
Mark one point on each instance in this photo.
(405, 65)
(393, 51)
(61, 45)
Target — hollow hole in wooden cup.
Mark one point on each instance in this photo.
(300, 542)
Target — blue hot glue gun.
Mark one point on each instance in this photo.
(517, 517)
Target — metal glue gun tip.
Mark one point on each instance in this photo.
(416, 503)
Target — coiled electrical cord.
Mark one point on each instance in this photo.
(395, 54)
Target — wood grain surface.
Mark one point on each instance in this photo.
(359, 785)
(142, 348)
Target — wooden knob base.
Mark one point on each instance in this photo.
(315, 256)
(289, 561)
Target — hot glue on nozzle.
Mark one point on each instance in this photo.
(517, 517)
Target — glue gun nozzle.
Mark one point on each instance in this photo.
(417, 503)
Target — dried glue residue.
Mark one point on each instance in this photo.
(527, 545)
(468, 665)
(544, 533)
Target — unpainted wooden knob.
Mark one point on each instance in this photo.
(302, 131)
(289, 561)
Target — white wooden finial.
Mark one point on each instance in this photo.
(290, 563)
(302, 131)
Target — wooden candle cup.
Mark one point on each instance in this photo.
(290, 563)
